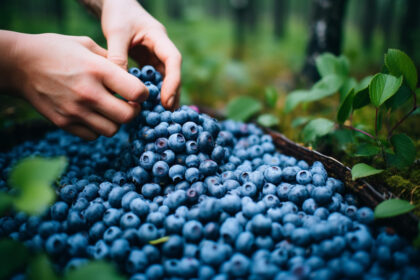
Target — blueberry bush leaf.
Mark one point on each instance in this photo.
(346, 107)
(361, 170)
(6, 202)
(361, 94)
(13, 256)
(271, 96)
(366, 150)
(242, 108)
(399, 63)
(267, 120)
(33, 178)
(294, 98)
(40, 268)
(392, 208)
(402, 95)
(317, 128)
(404, 151)
(328, 64)
(382, 87)
(327, 86)
(94, 270)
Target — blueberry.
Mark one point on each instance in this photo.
(174, 128)
(111, 234)
(68, 193)
(155, 271)
(177, 142)
(150, 190)
(137, 261)
(251, 209)
(249, 189)
(231, 203)
(244, 242)
(271, 201)
(148, 73)
(177, 172)
(209, 209)
(161, 144)
(112, 216)
(273, 175)
(365, 215)
(77, 244)
(115, 196)
(129, 220)
(205, 142)
(303, 177)
(211, 231)
(156, 218)
(148, 159)
(135, 71)
(298, 194)
(59, 210)
(138, 176)
(206, 272)
(230, 230)
(171, 267)
(94, 212)
(190, 130)
(174, 247)
(160, 170)
(100, 250)
(208, 167)
(75, 221)
(120, 248)
(192, 161)
(56, 243)
(162, 128)
(179, 116)
(212, 253)
(128, 198)
(174, 224)
(261, 225)
(97, 230)
(188, 267)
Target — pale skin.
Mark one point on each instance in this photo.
(71, 79)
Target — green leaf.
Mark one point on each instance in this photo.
(346, 107)
(6, 202)
(271, 96)
(242, 108)
(382, 87)
(300, 121)
(159, 240)
(13, 255)
(361, 170)
(361, 95)
(366, 150)
(328, 64)
(94, 270)
(402, 95)
(364, 83)
(317, 128)
(294, 98)
(41, 268)
(405, 151)
(327, 86)
(392, 208)
(267, 120)
(348, 84)
(33, 178)
(344, 137)
(398, 63)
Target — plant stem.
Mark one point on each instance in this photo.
(405, 117)
(359, 130)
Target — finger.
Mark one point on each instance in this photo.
(99, 124)
(115, 109)
(81, 131)
(123, 83)
(91, 45)
(171, 58)
(118, 44)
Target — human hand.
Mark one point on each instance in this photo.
(69, 80)
(128, 28)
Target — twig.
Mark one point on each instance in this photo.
(376, 122)
(405, 117)
(359, 130)
(412, 194)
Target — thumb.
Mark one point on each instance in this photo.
(118, 44)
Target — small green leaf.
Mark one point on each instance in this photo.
(402, 95)
(346, 107)
(294, 98)
(361, 170)
(300, 121)
(94, 270)
(348, 84)
(242, 108)
(271, 96)
(361, 95)
(267, 120)
(398, 63)
(392, 208)
(366, 150)
(159, 240)
(327, 86)
(328, 64)
(13, 255)
(317, 128)
(34, 177)
(382, 87)
(404, 149)
(364, 83)
(41, 268)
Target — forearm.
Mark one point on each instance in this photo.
(9, 42)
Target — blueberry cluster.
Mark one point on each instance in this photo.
(231, 206)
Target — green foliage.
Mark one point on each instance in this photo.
(404, 151)
(367, 150)
(13, 255)
(242, 108)
(328, 64)
(317, 128)
(346, 107)
(94, 270)
(32, 178)
(399, 63)
(295, 98)
(392, 208)
(40, 268)
(271, 96)
(267, 120)
(361, 170)
(382, 87)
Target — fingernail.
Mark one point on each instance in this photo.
(171, 102)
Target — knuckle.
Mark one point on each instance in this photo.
(127, 116)
(62, 122)
(119, 60)
(87, 41)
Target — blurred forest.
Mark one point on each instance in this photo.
(237, 47)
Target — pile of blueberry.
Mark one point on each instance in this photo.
(231, 206)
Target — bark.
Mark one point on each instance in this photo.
(326, 30)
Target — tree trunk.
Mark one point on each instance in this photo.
(280, 17)
(239, 9)
(410, 28)
(325, 33)
(368, 21)
(386, 21)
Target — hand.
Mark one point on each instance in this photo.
(69, 80)
(128, 28)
